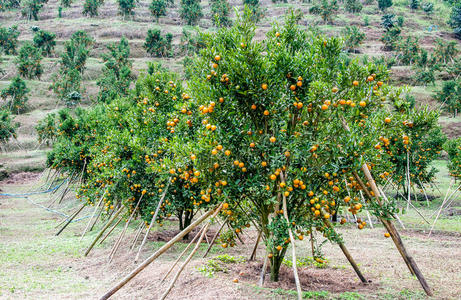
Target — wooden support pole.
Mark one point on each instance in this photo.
(197, 245)
(154, 217)
(253, 253)
(182, 253)
(262, 276)
(292, 239)
(214, 238)
(110, 231)
(396, 237)
(70, 219)
(92, 216)
(348, 256)
(159, 252)
(103, 229)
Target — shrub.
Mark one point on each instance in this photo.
(7, 126)
(190, 42)
(327, 9)
(428, 8)
(190, 11)
(9, 39)
(9, 4)
(158, 8)
(46, 129)
(28, 61)
(414, 4)
(453, 148)
(90, 7)
(353, 6)
(450, 96)
(31, 8)
(409, 50)
(366, 21)
(445, 52)
(384, 4)
(158, 45)
(15, 96)
(255, 9)
(66, 3)
(66, 82)
(45, 41)
(116, 73)
(391, 36)
(353, 37)
(220, 13)
(126, 7)
(455, 20)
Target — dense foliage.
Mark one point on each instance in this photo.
(45, 41)
(191, 11)
(157, 44)
(29, 60)
(7, 126)
(15, 96)
(9, 39)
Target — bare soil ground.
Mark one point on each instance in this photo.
(35, 264)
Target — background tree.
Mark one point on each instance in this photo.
(45, 41)
(90, 7)
(391, 36)
(353, 6)
(126, 7)
(158, 45)
(9, 4)
(28, 61)
(327, 9)
(15, 96)
(453, 149)
(414, 4)
(66, 3)
(384, 4)
(450, 96)
(220, 10)
(455, 19)
(31, 8)
(353, 37)
(191, 11)
(116, 74)
(7, 126)
(158, 8)
(67, 81)
(9, 39)
(255, 8)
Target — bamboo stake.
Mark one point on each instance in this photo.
(262, 276)
(117, 245)
(441, 207)
(182, 253)
(396, 237)
(444, 199)
(348, 256)
(70, 219)
(197, 245)
(92, 216)
(214, 238)
(110, 231)
(408, 180)
(396, 216)
(136, 236)
(424, 191)
(96, 219)
(159, 252)
(368, 213)
(104, 229)
(293, 248)
(154, 217)
(253, 253)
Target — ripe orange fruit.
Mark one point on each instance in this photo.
(343, 221)
(217, 58)
(193, 157)
(299, 83)
(273, 177)
(235, 280)
(227, 152)
(362, 103)
(292, 87)
(335, 90)
(355, 83)
(379, 83)
(272, 139)
(225, 205)
(264, 86)
(326, 216)
(266, 112)
(279, 248)
(277, 34)
(370, 78)
(264, 163)
(252, 145)
(324, 107)
(253, 106)
(224, 245)
(386, 234)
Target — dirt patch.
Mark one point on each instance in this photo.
(21, 178)
(167, 235)
(312, 279)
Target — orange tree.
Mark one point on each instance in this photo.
(453, 148)
(145, 151)
(290, 119)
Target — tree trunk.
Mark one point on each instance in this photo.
(276, 262)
